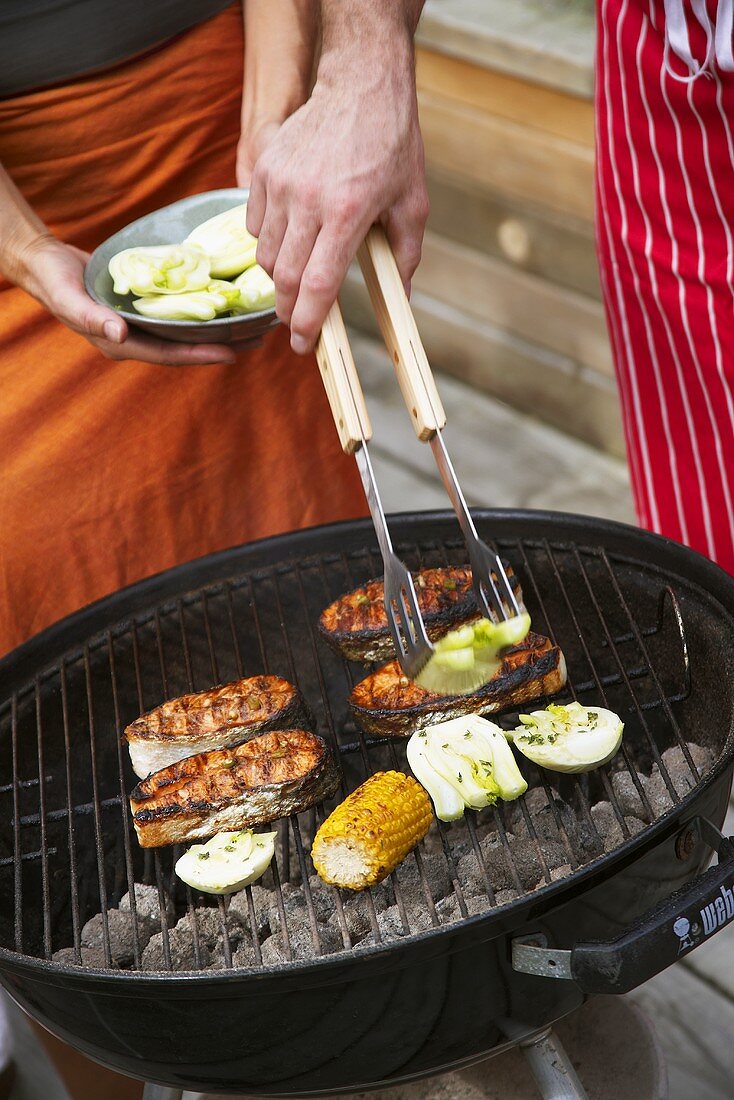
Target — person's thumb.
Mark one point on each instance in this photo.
(74, 306)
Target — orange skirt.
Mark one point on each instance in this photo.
(110, 472)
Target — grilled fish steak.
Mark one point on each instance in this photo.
(388, 704)
(273, 775)
(356, 624)
(213, 719)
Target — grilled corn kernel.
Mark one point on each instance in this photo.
(368, 835)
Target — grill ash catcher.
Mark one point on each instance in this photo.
(495, 928)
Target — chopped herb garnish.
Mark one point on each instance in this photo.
(362, 599)
(460, 777)
(534, 739)
(467, 735)
(254, 702)
(203, 855)
(445, 745)
(449, 583)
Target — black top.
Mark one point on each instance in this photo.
(46, 41)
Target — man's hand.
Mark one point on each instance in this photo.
(350, 156)
(53, 273)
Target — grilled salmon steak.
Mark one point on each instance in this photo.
(356, 624)
(213, 719)
(388, 704)
(274, 775)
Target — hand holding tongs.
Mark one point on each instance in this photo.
(495, 597)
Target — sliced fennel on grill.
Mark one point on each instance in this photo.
(468, 657)
(228, 862)
(464, 762)
(568, 738)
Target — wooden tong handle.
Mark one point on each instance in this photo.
(400, 333)
(341, 381)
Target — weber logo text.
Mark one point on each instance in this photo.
(718, 912)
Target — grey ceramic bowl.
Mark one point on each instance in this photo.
(171, 225)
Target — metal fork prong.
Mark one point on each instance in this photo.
(505, 601)
(509, 590)
(422, 638)
(404, 617)
(484, 562)
(393, 612)
(498, 606)
(397, 636)
(481, 596)
(407, 620)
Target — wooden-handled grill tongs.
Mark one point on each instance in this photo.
(445, 667)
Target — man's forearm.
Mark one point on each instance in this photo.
(20, 230)
(365, 43)
(280, 38)
(356, 18)
(350, 156)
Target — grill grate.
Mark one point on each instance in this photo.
(64, 784)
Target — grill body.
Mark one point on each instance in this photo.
(640, 619)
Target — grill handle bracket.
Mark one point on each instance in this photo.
(660, 937)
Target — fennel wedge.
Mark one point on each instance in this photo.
(469, 656)
(196, 305)
(569, 738)
(160, 269)
(256, 290)
(465, 762)
(225, 240)
(228, 862)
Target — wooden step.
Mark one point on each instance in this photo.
(536, 309)
(507, 158)
(542, 242)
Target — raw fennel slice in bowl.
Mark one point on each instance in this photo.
(171, 226)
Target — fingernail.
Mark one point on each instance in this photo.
(114, 331)
(299, 343)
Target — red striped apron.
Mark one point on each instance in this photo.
(665, 229)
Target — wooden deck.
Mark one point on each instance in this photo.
(506, 459)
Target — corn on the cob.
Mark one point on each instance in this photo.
(368, 835)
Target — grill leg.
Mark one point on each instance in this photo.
(551, 1068)
(160, 1092)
